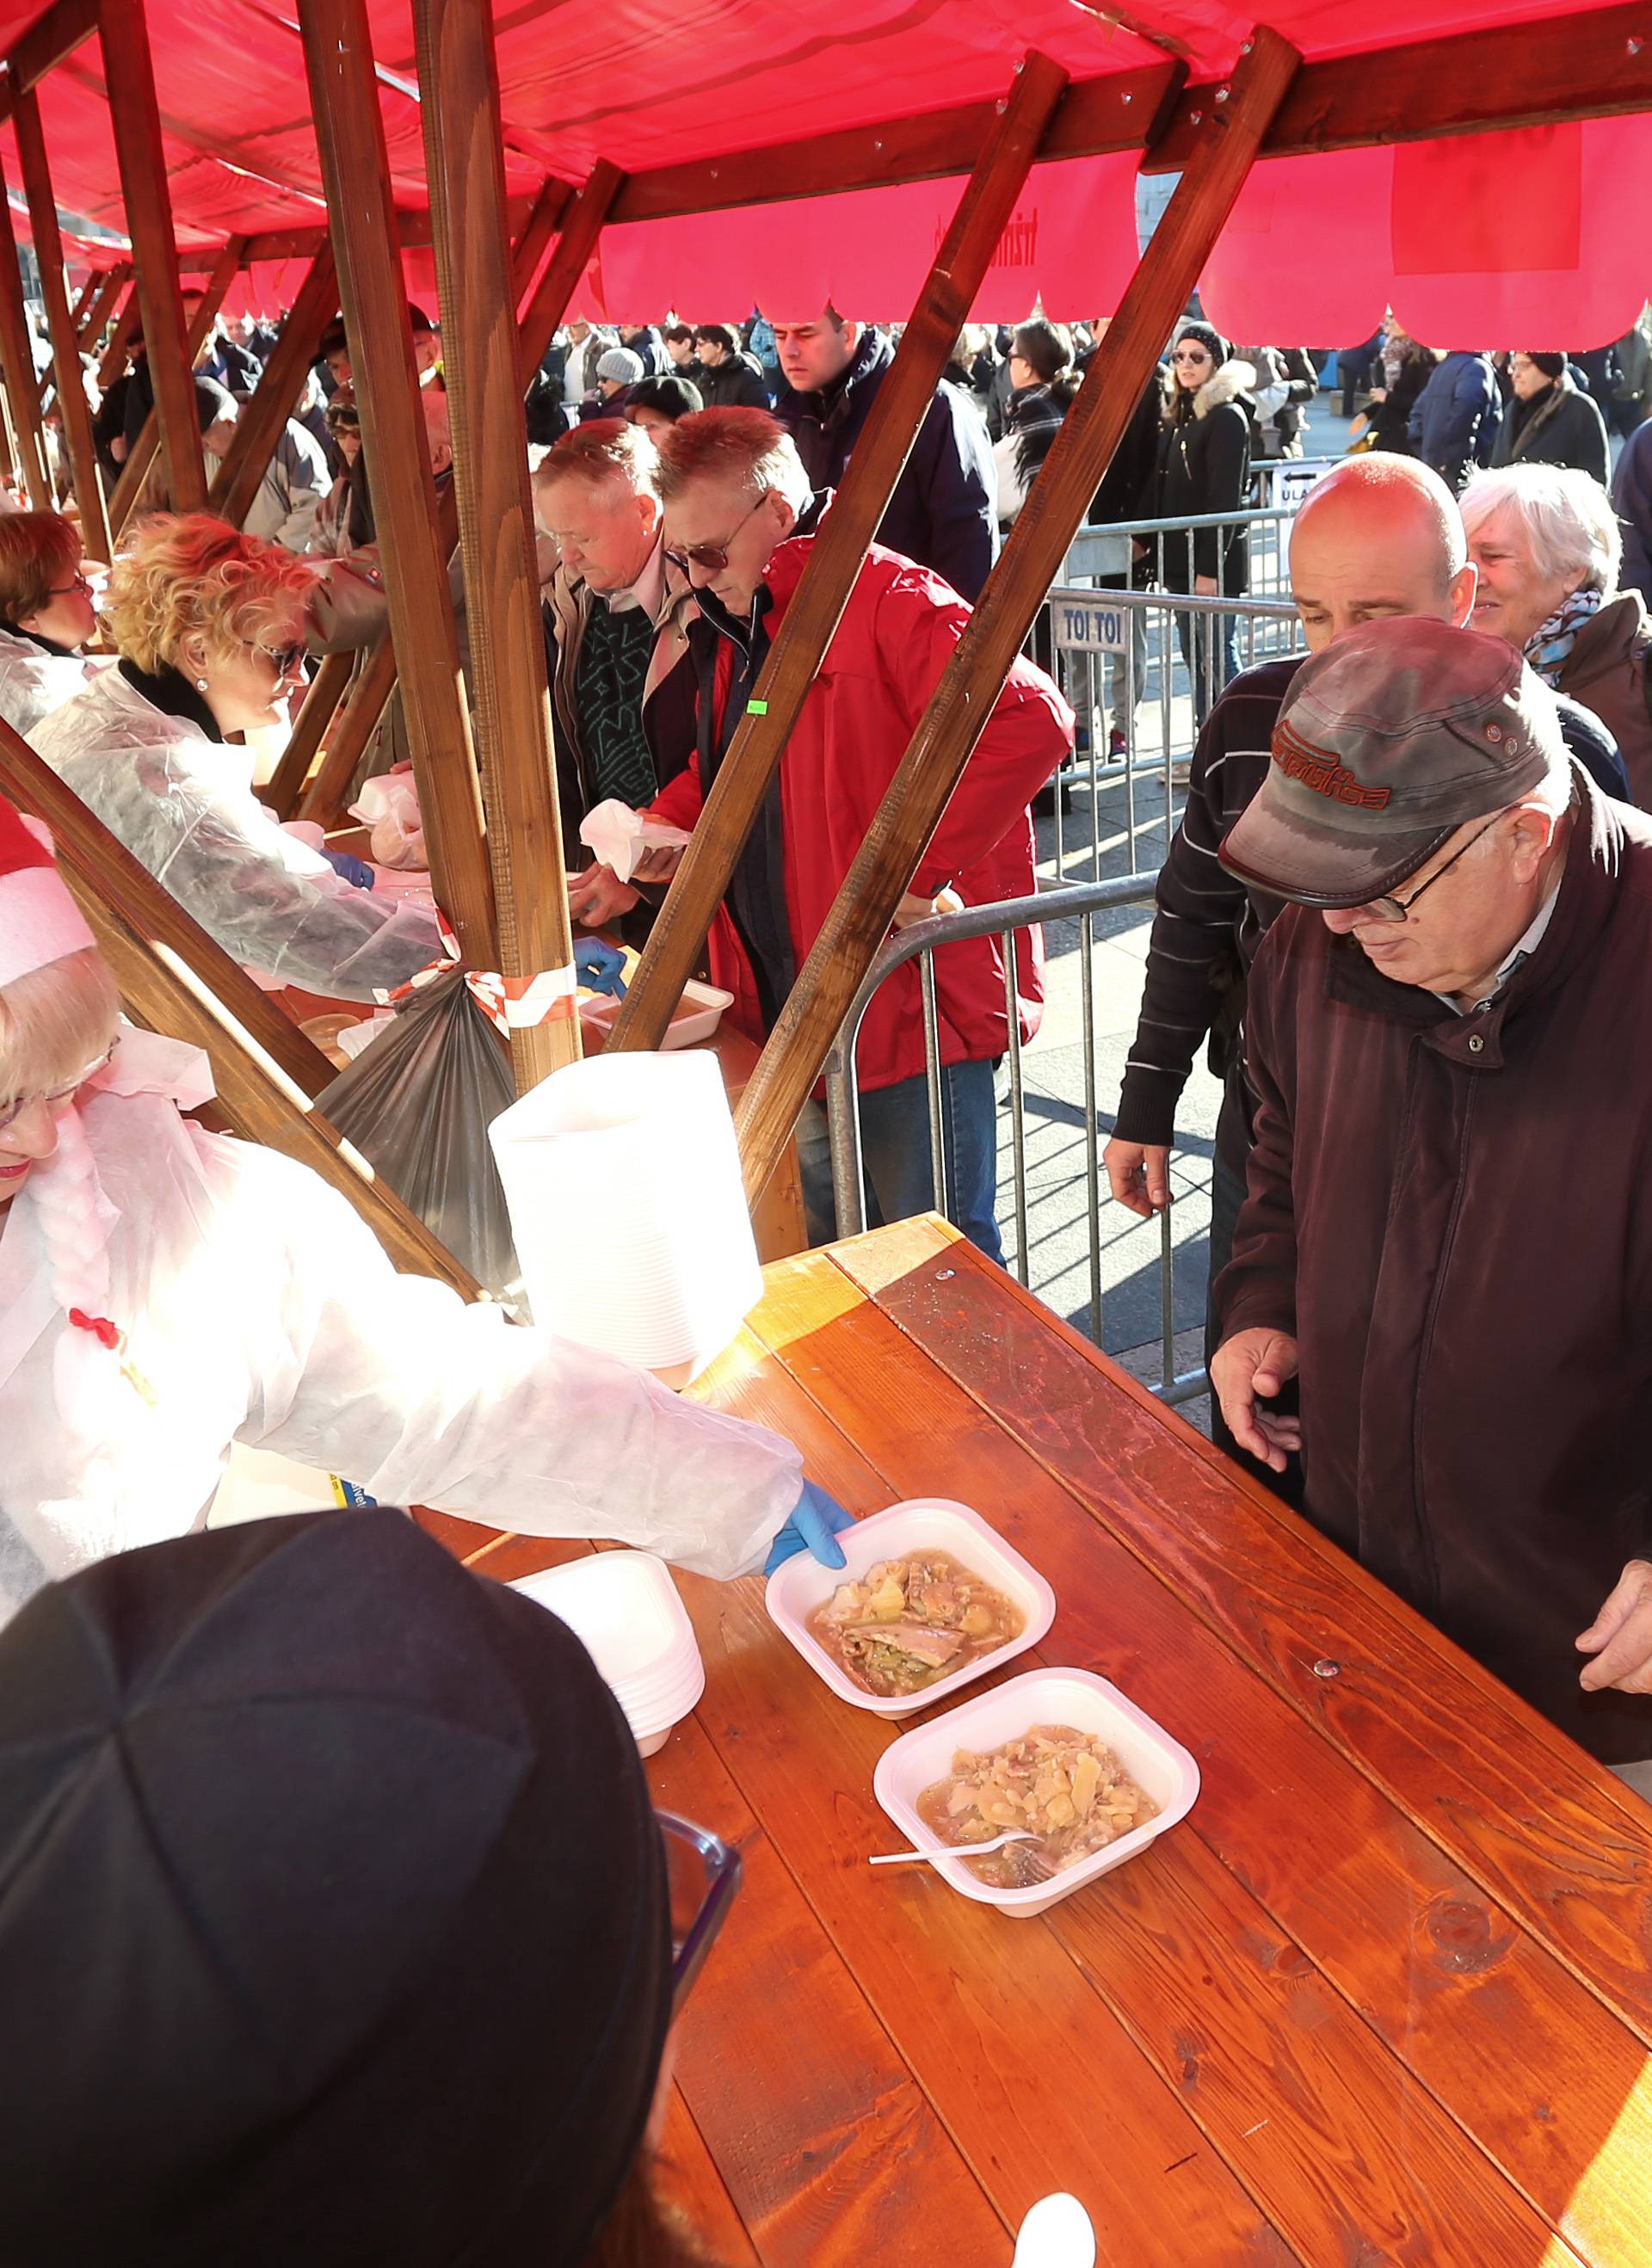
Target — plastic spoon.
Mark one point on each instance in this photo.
(954, 1851)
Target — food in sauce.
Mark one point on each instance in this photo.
(908, 1622)
(1067, 1788)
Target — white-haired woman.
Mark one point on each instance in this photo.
(47, 616)
(210, 624)
(166, 1292)
(1548, 547)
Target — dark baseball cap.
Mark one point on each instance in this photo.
(1397, 735)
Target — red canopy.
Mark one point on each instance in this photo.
(1494, 240)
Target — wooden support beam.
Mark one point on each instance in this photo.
(262, 420)
(17, 364)
(82, 301)
(837, 554)
(1059, 497)
(324, 800)
(540, 226)
(178, 981)
(129, 76)
(50, 40)
(349, 133)
(130, 487)
(465, 167)
(582, 224)
(285, 784)
(73, 408)
(102, 304)
(126, 327)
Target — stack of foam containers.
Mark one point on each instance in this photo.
(623, 1607)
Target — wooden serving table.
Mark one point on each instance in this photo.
(1385, 1996)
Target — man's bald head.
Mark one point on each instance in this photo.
(1380, 536)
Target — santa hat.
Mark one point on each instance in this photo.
(40, 921)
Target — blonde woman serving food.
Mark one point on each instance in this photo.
(166, 1292)
(209, 625)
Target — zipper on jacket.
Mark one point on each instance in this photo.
(1446, 1243)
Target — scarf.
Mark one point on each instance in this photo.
(1549, 645)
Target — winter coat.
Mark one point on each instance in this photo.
(1454, 422)
(33, 681)
(183, 805)
(1632, 501)
(944, 511)
(1610, 671)
(295, 485)
(1475, 1356)
(1562, 425)
(650, 349)
(737, 383)
(898, 630)
(1390, 419)
(258, 1307)
(1204, 466)
(1035, 415)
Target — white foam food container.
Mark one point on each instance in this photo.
(623, 1607)
(1157, 1763)
(801, 1585)
(706, 1001)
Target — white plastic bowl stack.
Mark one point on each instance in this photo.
(626, 1203)
(623, 1607)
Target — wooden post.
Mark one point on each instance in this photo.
(72, 406)
(540, 226)
(178, 980)
(130, 489)
(582, 224)
(837, 554)
(961, 702)
(127, 325)
(327, 690)
(83, 300)
(129, 76)
(349, 133)
(347, 743)
(465, 167)
(262, 421)
(102, 305)
(17, 363)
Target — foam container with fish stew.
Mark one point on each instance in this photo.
(1159, 1766)
(799, 1587)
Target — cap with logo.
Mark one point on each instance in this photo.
(1394, 736)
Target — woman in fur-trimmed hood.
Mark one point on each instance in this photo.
(1204, 467)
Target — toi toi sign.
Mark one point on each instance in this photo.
(1086, 628)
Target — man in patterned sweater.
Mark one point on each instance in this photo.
(1379, 536)
(617, 622)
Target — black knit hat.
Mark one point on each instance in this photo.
(672, 397)
(333, 1918)
(1208, 337)
(1551, 365)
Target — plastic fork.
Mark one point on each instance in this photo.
(965, 1851)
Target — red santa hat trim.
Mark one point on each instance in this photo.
(39, 923)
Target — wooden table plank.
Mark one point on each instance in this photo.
(685, 2176)
(1499, 2030)
(1565, 1847)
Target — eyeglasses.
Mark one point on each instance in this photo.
(58, 1097)
(80, 588)
(714, 556)
(703, 1873)
(286, 657)
(1395, 909)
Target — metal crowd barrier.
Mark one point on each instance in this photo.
(920, 942)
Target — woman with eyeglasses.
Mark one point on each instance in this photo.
(1204, 467)
(210, 624)
(165, 1294)
(47, 616)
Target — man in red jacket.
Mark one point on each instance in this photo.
(1449, 1039)
(739, 512)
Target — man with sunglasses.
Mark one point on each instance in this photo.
(739, 510)
(1446, 1235)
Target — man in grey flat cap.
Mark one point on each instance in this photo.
(1447, 1234)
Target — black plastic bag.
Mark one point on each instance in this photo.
(417, 1104)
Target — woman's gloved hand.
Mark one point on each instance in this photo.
(600, 967)
(813, 1526)
(355, 871)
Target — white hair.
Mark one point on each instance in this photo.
(1566, 514)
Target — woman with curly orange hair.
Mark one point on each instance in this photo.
(210, 624)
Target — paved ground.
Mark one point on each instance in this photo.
(1094, 838)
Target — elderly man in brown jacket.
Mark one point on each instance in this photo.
(1449, 1227)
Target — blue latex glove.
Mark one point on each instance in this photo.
(598, 967)
(355, 871)
(813, 1526)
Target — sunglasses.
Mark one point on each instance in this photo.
(704, 1873)
(714, 556)
(1395, 909)
(285, 658)
(56, 1097)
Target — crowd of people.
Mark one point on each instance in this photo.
(1402, 908)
